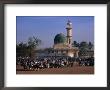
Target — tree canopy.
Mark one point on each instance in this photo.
(83, 46)
(28, 49)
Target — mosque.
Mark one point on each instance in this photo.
(62, 45)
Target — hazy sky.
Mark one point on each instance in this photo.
(46, 27)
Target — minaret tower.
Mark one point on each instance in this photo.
(69, 32)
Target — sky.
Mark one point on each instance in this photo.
(46, 27)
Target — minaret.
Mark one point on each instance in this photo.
(69, 32)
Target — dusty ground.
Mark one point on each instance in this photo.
(68, 70)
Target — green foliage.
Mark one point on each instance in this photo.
(83, 46)
(33, 42)
(21, 49)
(75, 44)
(28, 49)
(90, 46)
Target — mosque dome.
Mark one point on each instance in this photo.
(60, 38)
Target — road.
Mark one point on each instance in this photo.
(66, 70)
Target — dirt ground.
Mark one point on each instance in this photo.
(66, 70)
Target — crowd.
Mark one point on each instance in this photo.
(53, 62)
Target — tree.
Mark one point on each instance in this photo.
(83, 45)
(90, 45)
(28, 49)
(83, 48)
(21, 49)
(33, 43)
(75, 44)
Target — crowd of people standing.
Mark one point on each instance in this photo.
(43, 62)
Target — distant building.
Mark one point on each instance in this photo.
(62, 45)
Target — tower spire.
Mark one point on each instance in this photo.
(69, 32)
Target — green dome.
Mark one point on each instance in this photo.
(59, 38)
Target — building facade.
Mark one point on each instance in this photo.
(62, 45)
